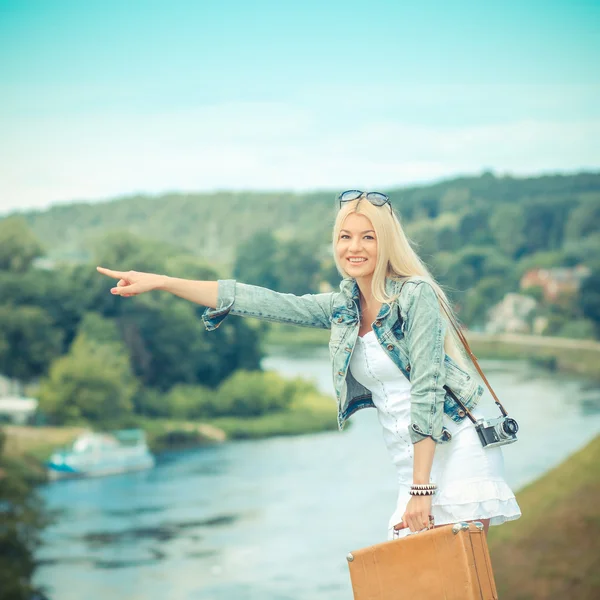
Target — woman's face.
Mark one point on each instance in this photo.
(357, 240)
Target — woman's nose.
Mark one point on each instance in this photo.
(355, 244)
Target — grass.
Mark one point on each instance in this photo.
(32, 446)
(311, 414)
(575, 356)
(553, 550)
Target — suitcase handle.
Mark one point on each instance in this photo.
(456, 528)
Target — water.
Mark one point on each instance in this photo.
(274, 519)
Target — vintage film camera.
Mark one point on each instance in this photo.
(491, 432)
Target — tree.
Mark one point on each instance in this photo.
(506, 226)
(544, 224)
(584, 219)
(92, 383)
(297, 268)
(589, 298)
(18, 245)
(256, 260)
(22, 519)
(474, 226)
(254, 393)
(29, 341)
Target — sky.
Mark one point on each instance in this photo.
(103, 99)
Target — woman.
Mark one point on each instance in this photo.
(392, 349)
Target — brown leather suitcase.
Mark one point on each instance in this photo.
(451, 562)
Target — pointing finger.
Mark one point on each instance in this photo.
(110, 273)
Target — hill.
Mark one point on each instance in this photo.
(552, 551)
(211, 225)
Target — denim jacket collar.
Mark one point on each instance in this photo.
(350, 290)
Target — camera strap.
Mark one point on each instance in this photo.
(473, 358)
(475, 362)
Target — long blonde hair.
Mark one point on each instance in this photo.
(396, 259)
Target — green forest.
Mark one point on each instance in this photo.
(478, 235)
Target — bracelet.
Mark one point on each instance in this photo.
(422, 489)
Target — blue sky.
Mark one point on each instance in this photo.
(107, 98)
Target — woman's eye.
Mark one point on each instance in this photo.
(366, 236)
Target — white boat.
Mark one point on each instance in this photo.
(95, 454)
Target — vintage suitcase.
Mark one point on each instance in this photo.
(451, 562)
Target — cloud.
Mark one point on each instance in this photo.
(271, 146)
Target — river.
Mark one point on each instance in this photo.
(274, 519)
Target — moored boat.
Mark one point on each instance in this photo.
(95, 454)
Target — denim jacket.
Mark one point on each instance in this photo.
(410, 329)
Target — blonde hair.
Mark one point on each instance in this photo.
(396, 259)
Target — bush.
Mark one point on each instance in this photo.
(254, 393)
(578, 329)
(191, 402)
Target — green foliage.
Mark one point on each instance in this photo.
(297, 268)
(544, 224)
(96, 328)
(253, 393)
(290, 266)
(28, 341)
(541, 260)
(589, 298)
(464, 269)
(168, 344)
(578, 329)
(480, 298)
(255, 261)
(19, 247)
(132, 252)
(308, 411)
(22, 518)
(92, 383)
(507, 229)
(584, 219)
(193, 402)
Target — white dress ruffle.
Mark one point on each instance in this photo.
(470, 478)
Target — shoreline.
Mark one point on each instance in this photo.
(581, 357)
(31, 446)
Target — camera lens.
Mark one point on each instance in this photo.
(510, 426)
(506, 429)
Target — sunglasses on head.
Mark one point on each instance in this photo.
(375, 198)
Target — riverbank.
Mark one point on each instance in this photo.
(552, 550)
(581, 357)
(312, 413)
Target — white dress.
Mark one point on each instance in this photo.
(470, 478)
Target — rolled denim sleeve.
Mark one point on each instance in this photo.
(246, 300)
(425, 331)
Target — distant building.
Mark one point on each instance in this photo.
(17, 410)
(511, 315)
(555, 281)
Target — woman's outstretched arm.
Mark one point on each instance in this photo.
(227, 296)
(132, 283)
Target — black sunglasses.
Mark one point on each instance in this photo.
(375, 198)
